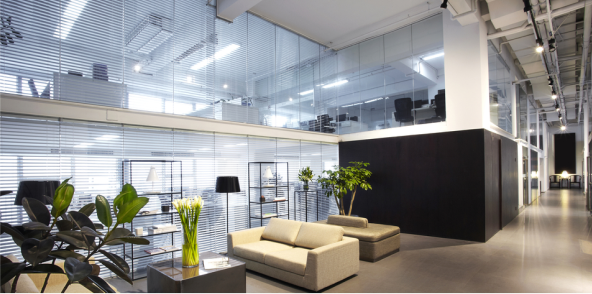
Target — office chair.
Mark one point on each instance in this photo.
(403, 108)
(554, 180)
(441, 105)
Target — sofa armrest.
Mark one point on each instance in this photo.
(331, 263)
(243, 237)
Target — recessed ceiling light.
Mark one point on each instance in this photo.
(220, 54)
(290, 98)
(306, 92)
(137, 67)
(225, 86)
(335, 84)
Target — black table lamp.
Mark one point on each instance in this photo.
(37, 190)
(227, 184)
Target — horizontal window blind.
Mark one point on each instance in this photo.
(99, 158)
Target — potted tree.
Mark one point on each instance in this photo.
(305, 175)
(77, 239)
(338, 182)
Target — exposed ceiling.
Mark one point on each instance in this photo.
(343, 22)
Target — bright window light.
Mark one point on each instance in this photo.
(107, 137)
(83, 145)
(146, 103)
(220, 54)
(178, 107)
(69, 17)
(433, 56)
(277, 121)
(306, 92)
(335, 84)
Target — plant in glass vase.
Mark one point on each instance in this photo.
(305, 175)
(76, 240)
(189, 210)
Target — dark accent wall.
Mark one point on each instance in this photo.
(443, 185)
(565, 153)
(509, 180)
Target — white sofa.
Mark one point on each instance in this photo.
(308, 255)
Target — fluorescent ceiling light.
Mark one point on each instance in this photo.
(306, 92)
(220, 54)
(373, 100)
(69, 17)
(107, 137)
(352, 104)
(335, 84)
(433, 56)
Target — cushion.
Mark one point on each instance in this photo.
(281, 230)
(292, 260)
(348, 221)
(256, 251)
(315, 235)
(373, 233)
(24, 283)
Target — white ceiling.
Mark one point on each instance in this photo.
(335, 22)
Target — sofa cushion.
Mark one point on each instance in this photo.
(373, 233)
(256, 251)
(281, 230)
(291, 260)
(348, 221)
(315, 235)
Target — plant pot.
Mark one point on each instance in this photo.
(190, 250)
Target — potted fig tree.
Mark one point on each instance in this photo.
(341, 180)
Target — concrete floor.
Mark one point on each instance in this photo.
(547, 248)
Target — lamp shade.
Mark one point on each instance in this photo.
(227, 184)
(37, 190)
(152, 175)
(268, 173)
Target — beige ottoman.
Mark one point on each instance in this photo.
(376, 241)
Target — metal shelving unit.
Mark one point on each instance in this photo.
(277, 185)
(136, 252)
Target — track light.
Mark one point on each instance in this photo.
(539, 47)
(554, 95)
(551, 45)
(550, 82)
(559, 116)
(563, 128)
(444, 4)
(557, 107)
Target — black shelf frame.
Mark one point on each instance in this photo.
(138, 254)
(306, 202)
(258, 165)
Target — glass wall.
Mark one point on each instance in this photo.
(500, 94)
(175, 56)
(522, 105)
(36, 148)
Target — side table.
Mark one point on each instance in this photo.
(169, 276)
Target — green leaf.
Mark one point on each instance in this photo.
(77, 270)
(75, 238)
(36, 210)
(90, 232)
(99, 226)
(36, 226)
(115, 234)
(87, 209)
(8, 229)
(10, 270)
(129, 210)
(135, 240)
(120, 262)
(128, 194)
(44, 268)
(63, 254)
(5, 259)
(80, 220)
(62, 199)
(88, 284)
(103, 211)
(116, 270)
(64, 225)
(35, 251)
(101, 284)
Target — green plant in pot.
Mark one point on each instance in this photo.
(339, 181)
(305, 175)
(76, 240)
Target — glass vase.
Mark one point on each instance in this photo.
(190, 250)
(305, 186)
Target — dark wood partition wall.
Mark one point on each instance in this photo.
(433, 184)
(565, 153)
(509, 180)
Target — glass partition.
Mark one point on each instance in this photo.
(500, 94)
(522, 110)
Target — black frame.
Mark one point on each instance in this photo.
(275, 187)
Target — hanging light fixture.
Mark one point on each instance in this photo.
(551, 45)
(539, 47)
(557, 107)
(444, 4)
(550, 82)
(563, 128)
(554, 95)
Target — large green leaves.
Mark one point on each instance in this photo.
(75, 238)
(120, 262)
(87, 209)
(10, 270)
(103, 211)
(116, 270)
(63, 254)
(36, 210)
(129, 210)
(76, 270)
(35, 251)
(62, 198)
(128, 193)
(99, 283)
(135, 240)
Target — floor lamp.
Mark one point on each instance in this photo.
(227, 184)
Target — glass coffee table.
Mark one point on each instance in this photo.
(168, 276)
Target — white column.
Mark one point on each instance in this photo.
(544, 171)
(528, 165)
(586, 133)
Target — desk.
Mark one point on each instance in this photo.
(169, 276)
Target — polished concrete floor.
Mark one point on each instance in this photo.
(547, 248)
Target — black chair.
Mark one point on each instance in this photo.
(441, 105)
(403, 107)
(575, 180)
(554, 180)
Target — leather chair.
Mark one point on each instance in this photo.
(554, 180)
(575, 180)
(403, 107)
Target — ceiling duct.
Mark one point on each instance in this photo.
(150, 33)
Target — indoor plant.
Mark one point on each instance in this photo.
(343, 179)
(77, 239)
(305, 175)
(189, 210)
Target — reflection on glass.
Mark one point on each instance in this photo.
(534, 169)
(500, 100)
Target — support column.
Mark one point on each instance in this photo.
(586, 135)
